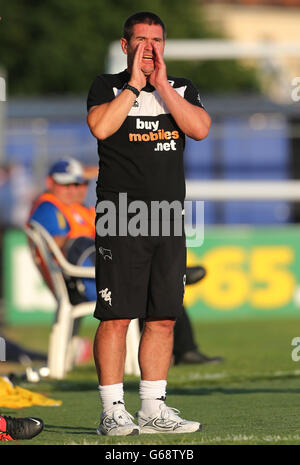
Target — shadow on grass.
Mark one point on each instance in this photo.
(204, 391)
(68, 429)
(84, 379)
(132, 386)
(229, 391)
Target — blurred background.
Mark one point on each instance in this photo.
(243, 55)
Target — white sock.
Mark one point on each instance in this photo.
(152, 395)
(111, 395)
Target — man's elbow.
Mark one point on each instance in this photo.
(201, 132)
(97, 130)
(99, 133)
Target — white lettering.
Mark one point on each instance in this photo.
(296, 92)
(106, 224)
(126, 455)
(165, 146)
(295, 352)
(138, 224)
(2, 90)
(149, 125)
(190, 454)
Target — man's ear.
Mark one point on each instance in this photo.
(124, 45)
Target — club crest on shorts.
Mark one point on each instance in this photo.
(106, 253)
(106, 295)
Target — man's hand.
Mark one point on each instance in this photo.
(159, 76)
(191, 119)
(138, 78)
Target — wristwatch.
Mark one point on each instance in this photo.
(133, 89)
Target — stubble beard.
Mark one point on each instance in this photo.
(147, 72)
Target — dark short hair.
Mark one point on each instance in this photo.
(143, 17)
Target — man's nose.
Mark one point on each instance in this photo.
(148, 45)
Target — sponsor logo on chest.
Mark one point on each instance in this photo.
(154, 134)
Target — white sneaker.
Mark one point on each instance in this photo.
(166, 420)
(117, 422)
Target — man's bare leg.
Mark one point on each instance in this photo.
(156, 349)
(109, 355)
(155, 355)
(110, 351)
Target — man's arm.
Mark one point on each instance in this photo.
(53, 221)
(61, 240)
(192, 120)
(104, 120)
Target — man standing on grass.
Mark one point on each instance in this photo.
(140, 117)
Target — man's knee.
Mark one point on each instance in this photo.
(164, 326)
(118, 326)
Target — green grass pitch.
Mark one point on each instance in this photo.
(251, 398)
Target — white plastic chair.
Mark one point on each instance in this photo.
(54, 268)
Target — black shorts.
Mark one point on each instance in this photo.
(140, 277)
